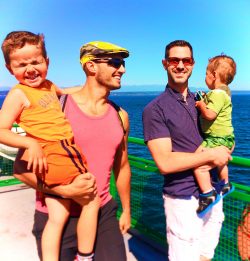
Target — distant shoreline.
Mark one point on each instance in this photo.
(157, 92)
(122, 92)
(147, 88)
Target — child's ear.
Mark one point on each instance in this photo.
(47, 61)
(9, 68)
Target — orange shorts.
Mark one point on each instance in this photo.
(65, 162)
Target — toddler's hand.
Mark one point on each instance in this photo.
(36, 158)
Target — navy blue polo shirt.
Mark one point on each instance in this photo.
(169, 115)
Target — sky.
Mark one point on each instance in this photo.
(144, 27)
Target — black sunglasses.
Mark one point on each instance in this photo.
(114, 62)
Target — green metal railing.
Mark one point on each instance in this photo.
(147, 205)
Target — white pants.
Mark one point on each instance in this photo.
(188, 235)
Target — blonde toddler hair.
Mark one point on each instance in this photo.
(225, 66)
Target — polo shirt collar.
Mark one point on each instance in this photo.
(177, 95)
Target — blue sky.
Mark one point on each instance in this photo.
(144, 27)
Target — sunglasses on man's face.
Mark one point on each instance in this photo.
(114, 62)
(174, 61)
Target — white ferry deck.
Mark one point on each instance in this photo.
(17, 242)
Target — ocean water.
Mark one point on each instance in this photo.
(134, 102)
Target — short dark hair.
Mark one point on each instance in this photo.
(181, 43)
(17, 39)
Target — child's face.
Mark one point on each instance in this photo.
(28, 65)
(210, 79)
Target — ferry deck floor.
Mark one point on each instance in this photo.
(17, 242)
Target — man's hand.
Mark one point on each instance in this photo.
(83, 186)
(125, 222)
(221, 155)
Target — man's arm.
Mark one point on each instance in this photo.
(68, 90)
(71, 90)
(82, 185)
(122, 174)
(169, 162)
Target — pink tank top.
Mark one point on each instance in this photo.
(98, 137)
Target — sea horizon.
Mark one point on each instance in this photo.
(155, 88)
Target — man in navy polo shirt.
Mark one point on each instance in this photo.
(172, 135)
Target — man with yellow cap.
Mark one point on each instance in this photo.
(102, 135)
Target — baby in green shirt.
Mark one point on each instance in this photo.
(216, 123)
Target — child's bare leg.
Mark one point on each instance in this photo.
(223, 173)
(227, 187)
(202, 176)
(209, 196)
(87, 224)
(58, 213)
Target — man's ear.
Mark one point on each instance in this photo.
(91, 66)
(164, 63)
(9, 68)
